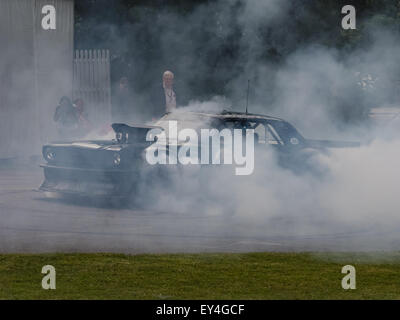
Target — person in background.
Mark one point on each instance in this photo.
(122, 101)
(170, 96)
(84, 125)
(66, 118)
(164, 99)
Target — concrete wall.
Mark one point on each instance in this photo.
(35, 71)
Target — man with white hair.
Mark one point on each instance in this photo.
(164, 98)
(170, 96)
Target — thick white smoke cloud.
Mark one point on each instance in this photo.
(351, 190)
(348, 191)
(354, 191)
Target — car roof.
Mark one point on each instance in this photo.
(225, 114)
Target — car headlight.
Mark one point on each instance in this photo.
(49, 154)
(117, 159)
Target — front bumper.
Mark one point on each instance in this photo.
(88, 181)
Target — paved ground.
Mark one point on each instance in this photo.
(30, 222)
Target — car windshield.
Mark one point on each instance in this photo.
(186, 120)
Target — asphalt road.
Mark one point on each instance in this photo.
(32, 223)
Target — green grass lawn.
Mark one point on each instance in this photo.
(201, 276)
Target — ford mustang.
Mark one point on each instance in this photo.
(115, 167)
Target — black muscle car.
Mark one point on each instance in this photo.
(115, 167)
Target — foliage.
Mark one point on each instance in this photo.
(210, 44)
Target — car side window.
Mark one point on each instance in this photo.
(261, 133)
(272, 136)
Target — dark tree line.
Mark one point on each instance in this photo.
(208, 44)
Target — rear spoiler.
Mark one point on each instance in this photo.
(131, 134)
(331, 144)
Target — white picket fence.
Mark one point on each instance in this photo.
(92, 83)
